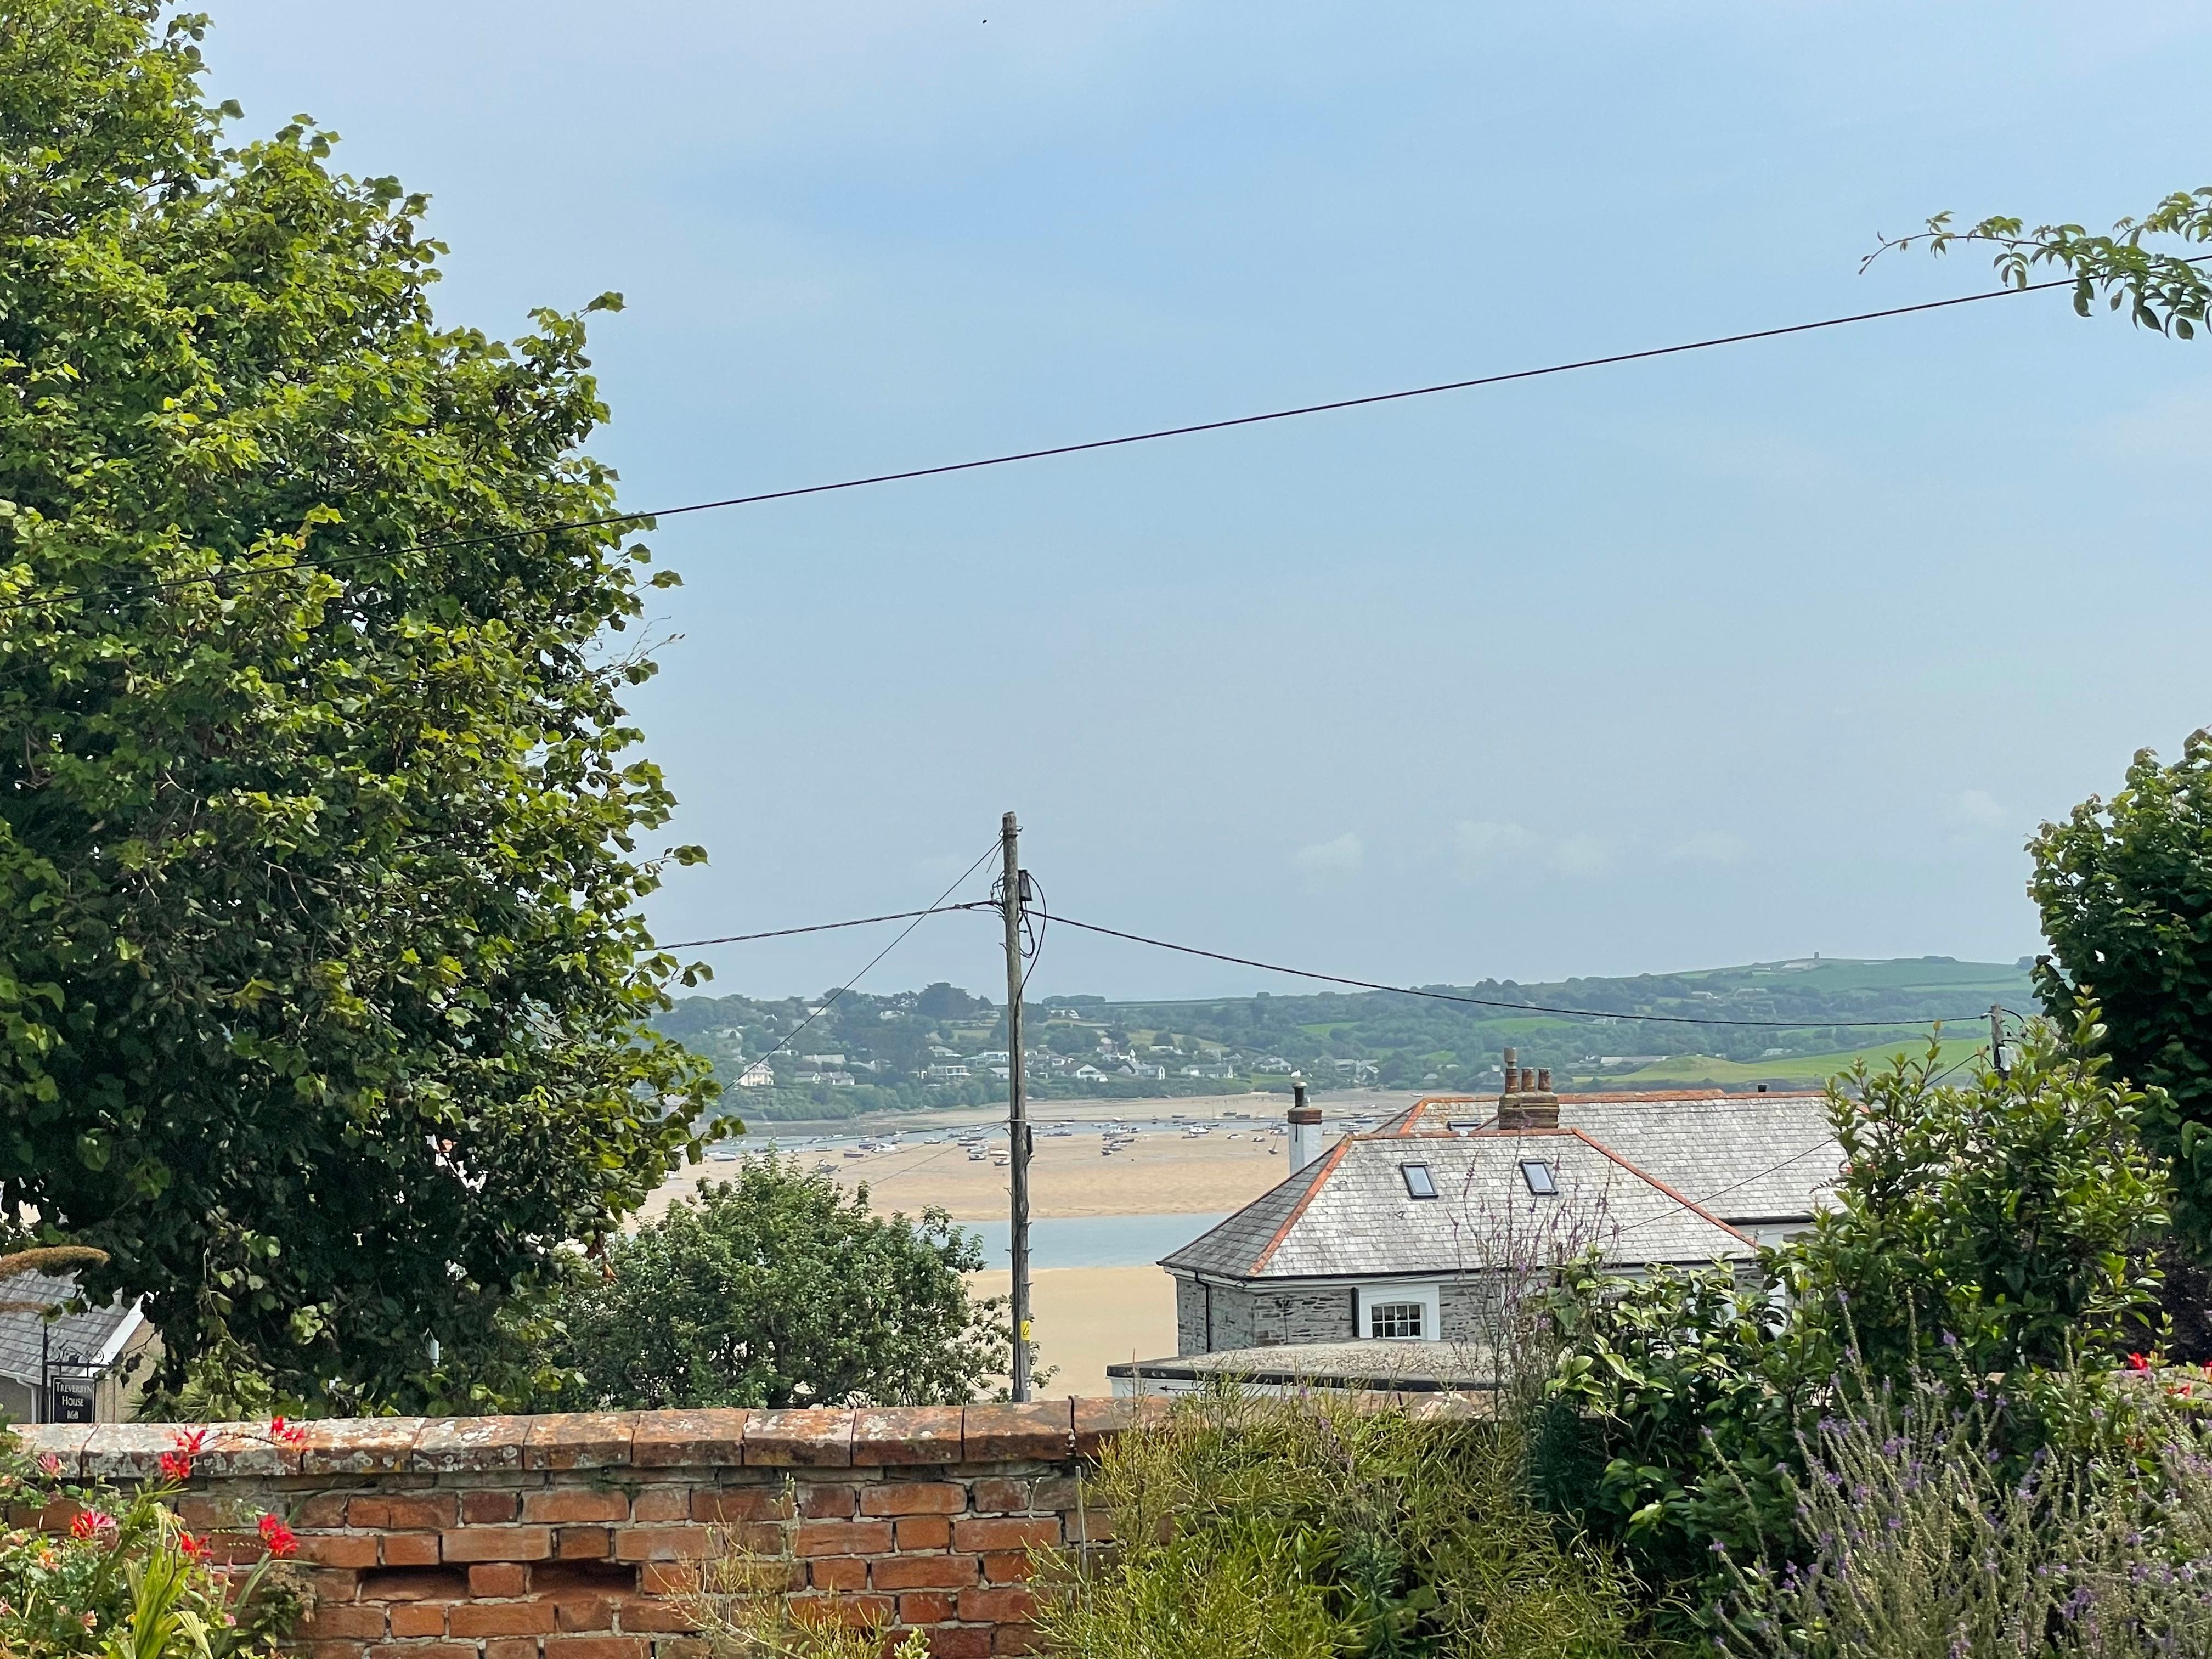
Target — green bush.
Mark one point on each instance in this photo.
(1257, 1527)
(777, 1288)
(1993, 1228)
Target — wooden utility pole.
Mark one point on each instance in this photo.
(1017, 1118)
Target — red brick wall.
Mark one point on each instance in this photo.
(557, 1537)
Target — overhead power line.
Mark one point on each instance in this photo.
(1012, 458)
(913, 919)
(1495, 1002)
(823, 927)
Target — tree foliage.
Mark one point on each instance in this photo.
(320, 977)
(1993, 1229)
(777, 1289)
(2125, 890)
(2164, 291)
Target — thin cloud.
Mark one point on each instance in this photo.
(1715, 847)
(1331, 860)
(1973, 809)
(1582, 855)
(1480, 846)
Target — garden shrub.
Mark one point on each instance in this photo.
(1993, 1229)
(1250, 1527)
(1913, 1540)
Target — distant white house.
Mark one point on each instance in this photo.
(758, 1075)
(1090, 1074)
(946, 1073)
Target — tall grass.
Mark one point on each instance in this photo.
(1250, 1527)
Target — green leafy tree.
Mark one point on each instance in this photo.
(1993, 1229)
(779, 1289)
(320, 978)
(2125, 887)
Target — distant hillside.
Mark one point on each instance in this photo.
(942, 1045)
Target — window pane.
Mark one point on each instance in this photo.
(1538, 1174)
(1395, 1319)
(1417, 1182)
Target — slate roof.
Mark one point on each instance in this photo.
(1350, 1215)
(1747, 1157)
(91, 1335)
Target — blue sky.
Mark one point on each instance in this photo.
(1740, 655)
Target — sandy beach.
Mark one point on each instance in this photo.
(1084, 1319)
(1162, 1173)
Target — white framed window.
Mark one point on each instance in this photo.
(1419, 1183)
(1396, 1319)
(1539, 1177)
(1399, 1312)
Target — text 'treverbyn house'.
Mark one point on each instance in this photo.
(1409, 1232)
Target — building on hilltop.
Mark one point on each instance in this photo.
(1429, 1228)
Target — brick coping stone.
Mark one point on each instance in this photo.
(808, 1438)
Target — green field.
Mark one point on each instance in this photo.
(1804, 1069)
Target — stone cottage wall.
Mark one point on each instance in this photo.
(562, 1537)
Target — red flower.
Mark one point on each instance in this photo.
(276, 1538)
(2137, 1362)
(190, 1443)
(176, 1466)
(50, 1463)
(91, 1524)
(194, 1549)
(290, 1433)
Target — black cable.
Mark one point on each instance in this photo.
(1700, 1203)
(1035, 951)
(1518, 1007)
(821, 926)
(1009, 459)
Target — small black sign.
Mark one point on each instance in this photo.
(72, 1402)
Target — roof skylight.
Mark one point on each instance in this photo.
(1542, 1182)
(1418, 1182)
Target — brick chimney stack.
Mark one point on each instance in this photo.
(1528, 1101)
